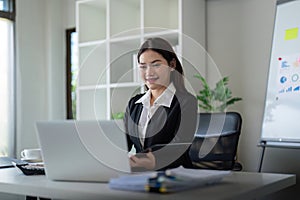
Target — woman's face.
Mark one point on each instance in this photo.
(154, 70)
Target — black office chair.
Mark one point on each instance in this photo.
(216, 141)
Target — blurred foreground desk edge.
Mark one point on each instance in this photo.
(240, 185)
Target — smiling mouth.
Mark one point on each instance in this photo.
(151, 80)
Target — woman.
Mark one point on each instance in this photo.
(165, 114)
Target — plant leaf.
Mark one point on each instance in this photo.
(216, 99)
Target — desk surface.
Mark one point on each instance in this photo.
(240, 185)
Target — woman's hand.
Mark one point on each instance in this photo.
(147, 161)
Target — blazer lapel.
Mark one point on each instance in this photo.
(136, 118)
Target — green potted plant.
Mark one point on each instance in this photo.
(118, 115)
(215, 99)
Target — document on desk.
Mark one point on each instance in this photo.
(168, 181)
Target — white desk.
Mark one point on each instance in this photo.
(240, 185)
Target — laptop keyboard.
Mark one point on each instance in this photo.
(7, 162)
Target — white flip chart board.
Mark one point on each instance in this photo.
(281, 121)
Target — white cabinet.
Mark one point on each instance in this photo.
(109, 35)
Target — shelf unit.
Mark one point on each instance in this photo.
(109, 35)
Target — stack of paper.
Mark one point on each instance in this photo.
(168, 181)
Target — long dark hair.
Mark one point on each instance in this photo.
(164, 48)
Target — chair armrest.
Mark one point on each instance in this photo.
(237, 167)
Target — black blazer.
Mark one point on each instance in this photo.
(175, 124)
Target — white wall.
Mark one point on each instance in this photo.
(239, 37)
(40, 41)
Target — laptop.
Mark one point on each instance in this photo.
(6, 162)
(93, 151)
